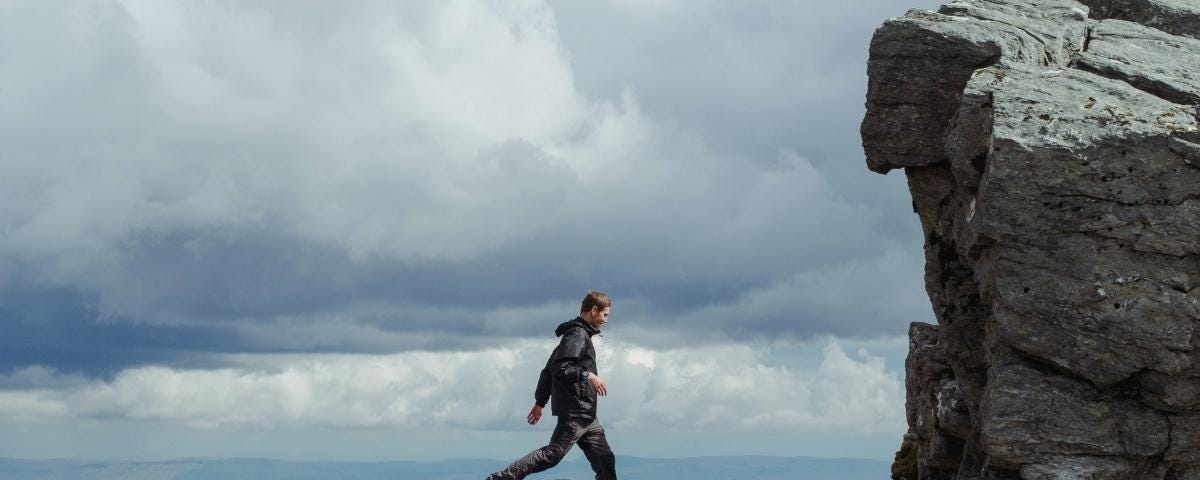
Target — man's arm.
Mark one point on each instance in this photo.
(541, 394)
(568, 363)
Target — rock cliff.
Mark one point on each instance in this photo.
(1053, 155)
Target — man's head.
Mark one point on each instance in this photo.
(595, 308)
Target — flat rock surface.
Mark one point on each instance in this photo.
(1177, 17)
(1149, 59)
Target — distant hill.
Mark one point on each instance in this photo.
(629, 468)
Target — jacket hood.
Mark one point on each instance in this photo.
(577, 322)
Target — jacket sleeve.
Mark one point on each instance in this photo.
(568, 363)
(541, 395)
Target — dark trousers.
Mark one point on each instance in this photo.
(587, 432)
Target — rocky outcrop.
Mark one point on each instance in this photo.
(1053, 154)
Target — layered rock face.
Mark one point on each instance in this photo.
(1053, 155)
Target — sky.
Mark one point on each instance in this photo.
(347, 230)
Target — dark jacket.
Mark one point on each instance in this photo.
(561, 381)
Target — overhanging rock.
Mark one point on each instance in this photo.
(1053, 154)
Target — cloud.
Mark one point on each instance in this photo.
(728, 388)
(856, 299)
(279, 119)
(24, 406)
(306, 217)
(751, 77)
(184, 182)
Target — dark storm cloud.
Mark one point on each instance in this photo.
(61, 328)
(265, 298)
(183, 183)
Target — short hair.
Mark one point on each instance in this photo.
(594, 299)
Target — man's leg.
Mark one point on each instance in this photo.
(566, 433)
(595, 447)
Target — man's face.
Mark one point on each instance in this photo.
(597, 317)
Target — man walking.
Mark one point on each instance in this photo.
(570, 382)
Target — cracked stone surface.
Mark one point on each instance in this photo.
(1145, 58)
(1177, 17)
(1052, 149)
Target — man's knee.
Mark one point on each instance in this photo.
(542, 459)
(555, 454)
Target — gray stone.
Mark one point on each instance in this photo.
(936, 413)
(1170, 393)
(1148, 59)
(1177, 17)
(920, 62)
(1185, 439)
(1054, 163)
(949, 279)
(1183, 472)
(1030, 415)
(1030, 32)
(1084, 468)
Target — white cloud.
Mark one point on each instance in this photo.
(729, 388)
(31, 405)
(146, 139)
(860, 297)
(335, 177)
(380, 130)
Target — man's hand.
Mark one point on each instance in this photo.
(598, 384)
(535, 414)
